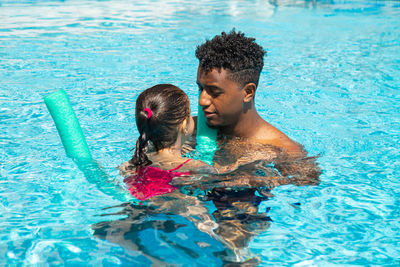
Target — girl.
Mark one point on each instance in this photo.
(164, 122)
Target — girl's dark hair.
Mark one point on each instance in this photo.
(169, 106)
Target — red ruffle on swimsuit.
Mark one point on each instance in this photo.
(152, 181)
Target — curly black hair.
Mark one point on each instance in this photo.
(241, 55)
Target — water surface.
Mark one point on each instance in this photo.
(330, 82)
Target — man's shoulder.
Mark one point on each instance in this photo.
(270, 135)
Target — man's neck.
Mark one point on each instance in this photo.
(247, 125)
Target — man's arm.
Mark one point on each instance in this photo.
(302, 170)
(255, 174)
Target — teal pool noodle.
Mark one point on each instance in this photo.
(94, 174)
(68, 126)
(75, 146)
(206, 139)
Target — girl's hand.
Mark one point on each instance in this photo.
(126, 169)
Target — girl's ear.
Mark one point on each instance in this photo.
(184, 127)
(249, 91)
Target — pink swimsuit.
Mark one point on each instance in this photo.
(152, 181)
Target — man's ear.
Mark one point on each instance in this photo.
(249, 90)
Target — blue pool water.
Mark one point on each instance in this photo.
(331, 82)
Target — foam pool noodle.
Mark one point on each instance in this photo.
(206, 139)
(76, 147)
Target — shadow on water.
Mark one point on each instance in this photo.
(211, 218)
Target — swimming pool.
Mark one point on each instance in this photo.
(330, 81)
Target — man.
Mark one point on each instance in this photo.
(227, 76)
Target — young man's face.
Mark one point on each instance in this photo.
(220, 98)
